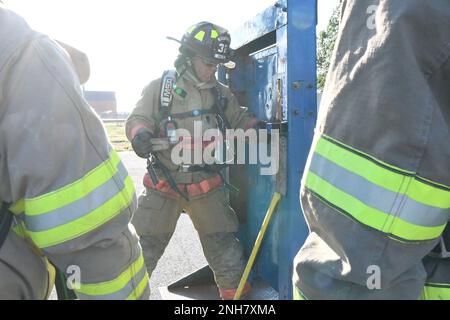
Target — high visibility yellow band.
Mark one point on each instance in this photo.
(88, 222)
(384, 175)
(126, 284)
(386, 198)
(74, 191)
(366, 215)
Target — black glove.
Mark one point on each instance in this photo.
(142, 143)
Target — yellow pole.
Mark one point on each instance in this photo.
(275, 199)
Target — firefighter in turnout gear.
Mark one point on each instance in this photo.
(66, 197)
(376, 188)
(191, 95)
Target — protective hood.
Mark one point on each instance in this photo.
(189, 75)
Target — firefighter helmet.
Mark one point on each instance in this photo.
(209, 41)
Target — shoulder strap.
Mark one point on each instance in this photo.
(220, 107)
(167, 84)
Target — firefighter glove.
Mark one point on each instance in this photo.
(142, 143)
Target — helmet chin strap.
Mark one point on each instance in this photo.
(184, 66)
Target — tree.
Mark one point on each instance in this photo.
(325, 46)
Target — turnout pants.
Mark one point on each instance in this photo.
(215, 221)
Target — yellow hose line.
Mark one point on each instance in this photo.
(275, 199)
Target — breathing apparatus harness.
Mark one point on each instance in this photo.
(168, 88)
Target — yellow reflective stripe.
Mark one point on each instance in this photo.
(74, 191)
(191, 29)
(428, 195)
(365, 155)
(112, 286)
(137, 293)
(385, 178)
(87, 223)
(200, 36)
(436, 292)
(214, 34)
(369, 216)
(358, 165)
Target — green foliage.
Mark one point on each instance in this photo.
(325, 46)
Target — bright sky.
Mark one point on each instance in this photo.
(126, 40)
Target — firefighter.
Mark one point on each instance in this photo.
(194, 96)
(376, 189)
(67, 199)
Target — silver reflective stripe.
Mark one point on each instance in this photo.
(123, 293)
(79, 208)
(391, 203)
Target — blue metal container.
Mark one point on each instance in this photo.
(275, 78)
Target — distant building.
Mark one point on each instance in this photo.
(103, 102)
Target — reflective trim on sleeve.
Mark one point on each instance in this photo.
(377, 197)
(129, 285)
(87, 223)
(80, 207)
(74, 191)
(384, 175)
(391, 200)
